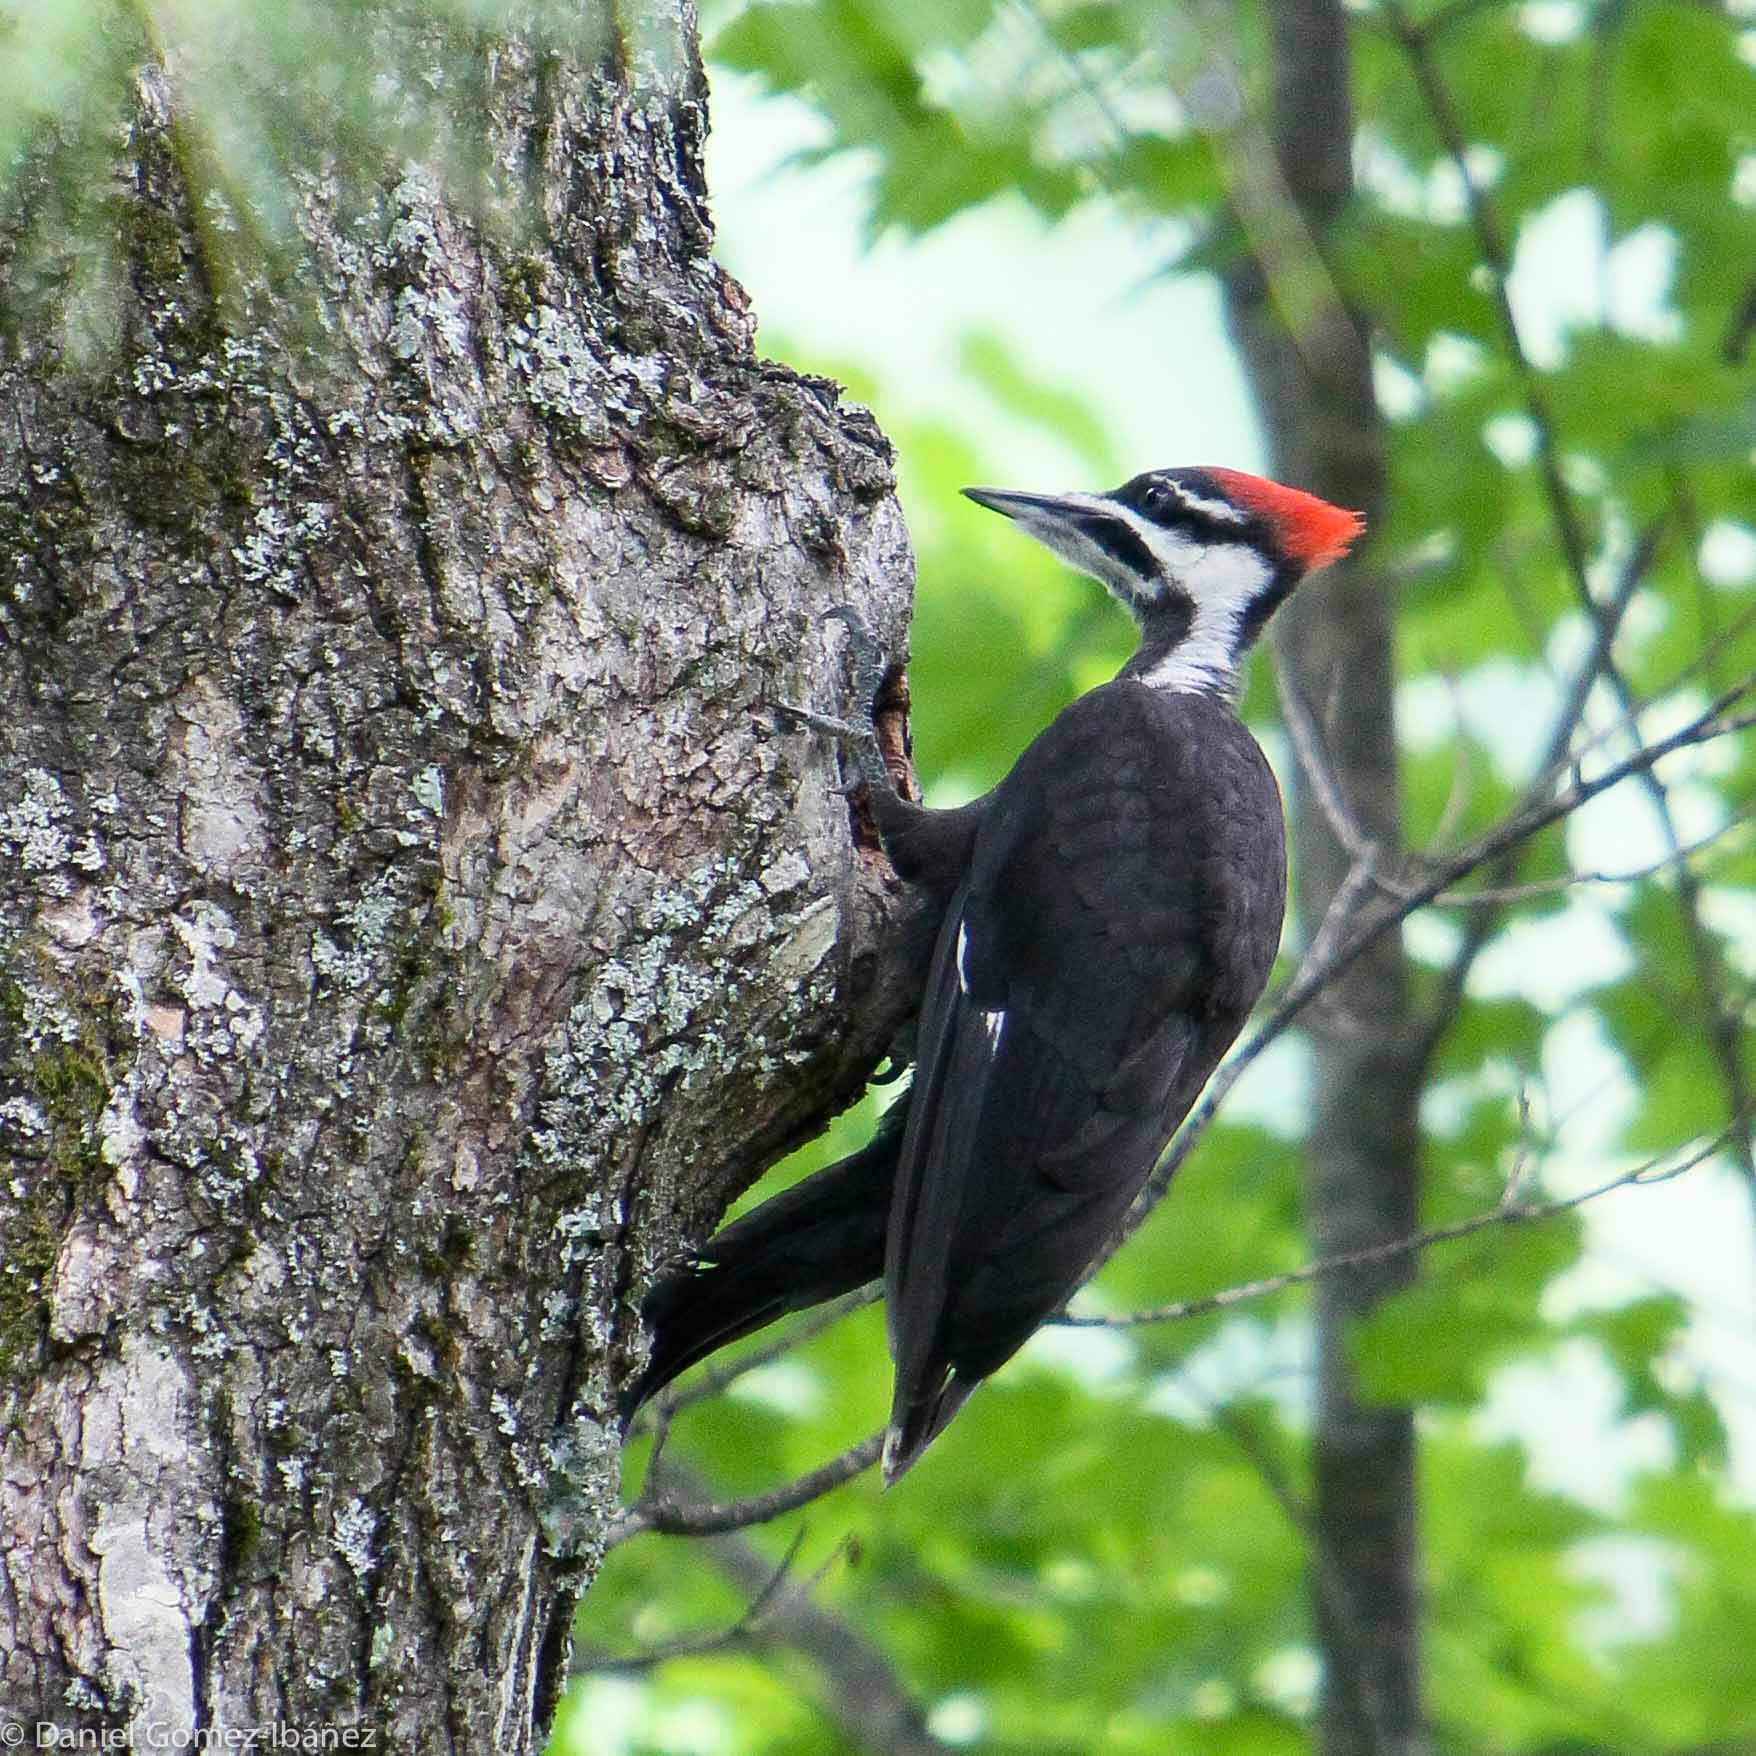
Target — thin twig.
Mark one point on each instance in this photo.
(1357, 842)
(1457, 795)
(1509, 893)
(1307, 739)
(1504, 1212)
(694, 1645)
(1559, 754)
(702, 1520)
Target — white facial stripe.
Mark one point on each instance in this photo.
(1080, 552)
(1220, 511)
(1175, 553)
(1223, 581)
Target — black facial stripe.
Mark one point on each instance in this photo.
(1167, 626)
(1170, 511)
(1119, 541)
(1266, 603)
(1164, 626)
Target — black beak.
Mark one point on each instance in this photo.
(1014, 504)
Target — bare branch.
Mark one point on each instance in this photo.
(1507, 1211)
(670, 1519)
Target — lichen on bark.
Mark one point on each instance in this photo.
(414, 920)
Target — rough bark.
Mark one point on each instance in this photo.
(412, 921)
(1310, 368)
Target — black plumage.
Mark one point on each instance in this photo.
(1112, 910)
(811, 1243)
(1120, 916)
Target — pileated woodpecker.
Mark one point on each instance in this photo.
(1112, 909)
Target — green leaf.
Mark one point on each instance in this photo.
(1476, 1303)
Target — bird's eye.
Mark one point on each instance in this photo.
(1155, 499)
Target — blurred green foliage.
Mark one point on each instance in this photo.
(270, 100)
(1107, 1554)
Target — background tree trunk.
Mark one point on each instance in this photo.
(1310, 368)
(411, 920)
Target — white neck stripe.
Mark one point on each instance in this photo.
(1220, 579)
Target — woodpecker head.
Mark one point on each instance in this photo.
(1202, 557)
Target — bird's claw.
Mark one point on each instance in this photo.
(820, 722)
(860, 740)
(863, 744)
(866, 654)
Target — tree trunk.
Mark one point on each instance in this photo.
(412, 920)
(1309, 365)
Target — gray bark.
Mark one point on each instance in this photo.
(412, 921)
(1310, 368)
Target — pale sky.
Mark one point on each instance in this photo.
(1082, 304)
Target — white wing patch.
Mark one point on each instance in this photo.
(993, 1022)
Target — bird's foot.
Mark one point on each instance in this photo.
(860, 737)
(827, 724)
(851, 738)
(865, 653)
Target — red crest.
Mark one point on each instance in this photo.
(1308, 530)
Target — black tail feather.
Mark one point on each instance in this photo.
(916, 1423)
(815, 1241)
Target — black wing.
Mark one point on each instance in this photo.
(1120, 917)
